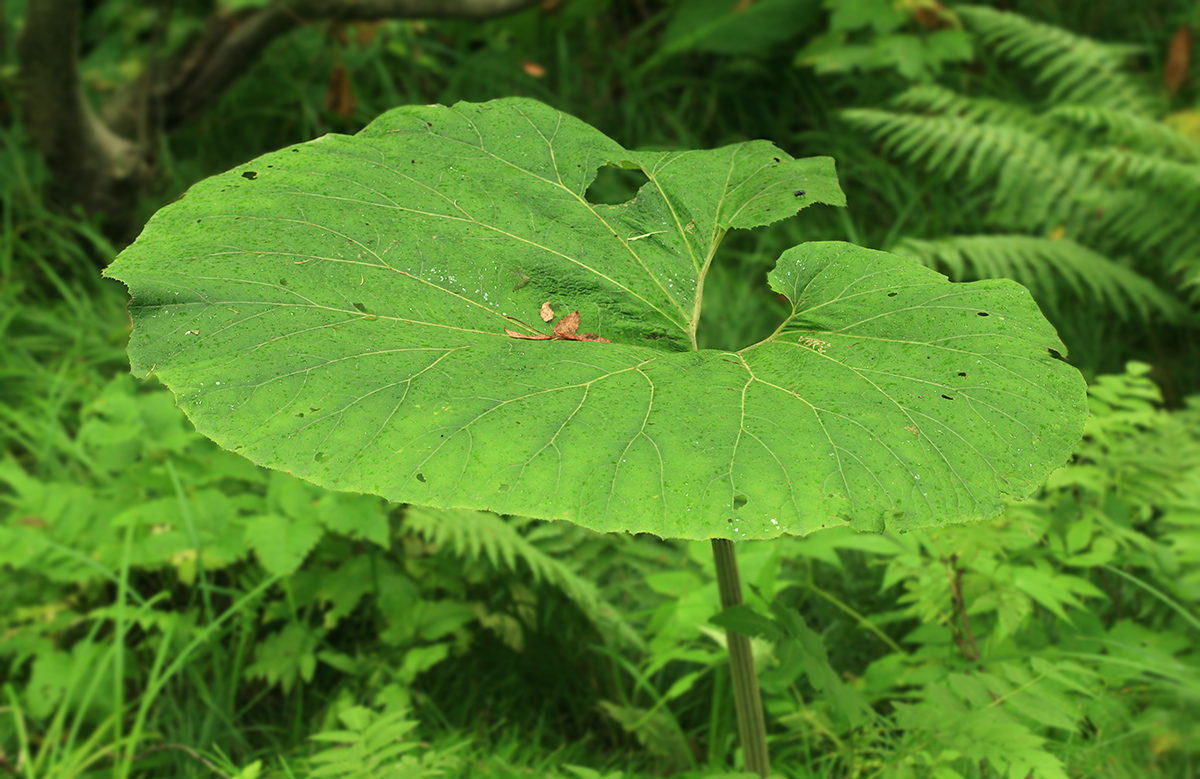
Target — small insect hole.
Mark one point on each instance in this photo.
(983, 313)
(250, 174)
(947, 397)
(421, 477)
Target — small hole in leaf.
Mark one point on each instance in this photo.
(250, 175)
(420, 477)
(360, 307)
(504, 488)
(962, 374)
(777, 159)
(319, 457)
(947, 397)
(740, 500)
(893, 294)
(283, 282)
(1056, 354)
(300, 414)
(613, 186)
(983, 313)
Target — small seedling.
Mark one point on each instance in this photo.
(376, 277)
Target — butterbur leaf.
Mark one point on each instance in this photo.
(361, 304)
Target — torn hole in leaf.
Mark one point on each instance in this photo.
(740, 500)
(614, 185)
(739, 307)
(420, 477)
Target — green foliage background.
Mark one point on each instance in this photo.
(166, 609)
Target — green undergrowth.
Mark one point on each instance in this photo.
(167, 609)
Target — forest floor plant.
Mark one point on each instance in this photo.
(423, 383)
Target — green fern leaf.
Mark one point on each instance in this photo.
(480, 534)
(1041, 264)
(1079, 70)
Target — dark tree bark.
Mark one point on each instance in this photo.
(103, 161)
(90, 165)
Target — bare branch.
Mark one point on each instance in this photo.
(232, 43)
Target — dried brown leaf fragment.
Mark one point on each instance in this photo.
(566, 329)
(526, 336)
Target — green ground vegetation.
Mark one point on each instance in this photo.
(169, 610)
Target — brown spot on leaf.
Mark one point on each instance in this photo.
(546, 313)
(1179, 60)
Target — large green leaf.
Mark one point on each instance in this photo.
(339, 310)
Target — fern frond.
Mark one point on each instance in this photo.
(481, 534)
(1124, 128)
(375, 746)
(936, 99)
(1079, 69)
(1160, 236)
(1181, 178)
(1037, 185)
(1042, 265)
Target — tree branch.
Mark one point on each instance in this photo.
(231, 43)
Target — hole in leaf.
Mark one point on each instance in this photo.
(420, 477)
(893, 294)
(983, 313)
(361, 307)
(947, 397)
(319, 457)
(283, 282)
(962, 374)
(613, 186)
(250, 174)
(740, 500)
